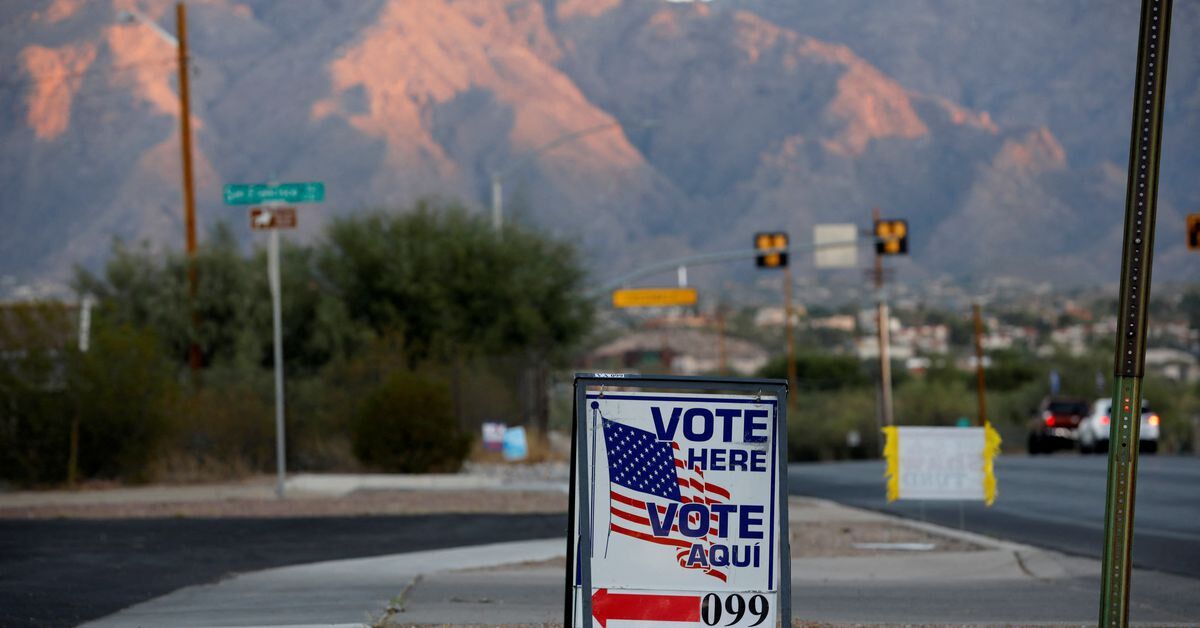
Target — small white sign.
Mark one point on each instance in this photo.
(938, 463)
(836, 245)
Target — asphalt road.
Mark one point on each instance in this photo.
(64, 572)
(1055, 502)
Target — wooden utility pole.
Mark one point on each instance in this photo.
(882, 317)
(979, 381)
(189, 190)
(722, 359)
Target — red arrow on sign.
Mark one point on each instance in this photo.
(606, 606)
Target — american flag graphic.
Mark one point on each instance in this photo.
(642, 468)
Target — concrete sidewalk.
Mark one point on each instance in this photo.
(979, 581)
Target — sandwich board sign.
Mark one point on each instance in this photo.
(678, 506)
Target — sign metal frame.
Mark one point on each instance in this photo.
(580, 475)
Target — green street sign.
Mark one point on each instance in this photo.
(256, 193)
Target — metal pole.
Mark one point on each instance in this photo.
(979, 380)
(1140, 209)
(277, 321)
(189, 190)
(497, 203)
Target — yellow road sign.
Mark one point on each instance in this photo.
(653, 297)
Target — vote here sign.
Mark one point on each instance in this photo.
(684, 507)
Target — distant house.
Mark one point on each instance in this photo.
(1174, 364)
(680, 351)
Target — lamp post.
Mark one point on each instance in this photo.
(185, 145)
(498, 176)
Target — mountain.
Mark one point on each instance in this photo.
(999, 130)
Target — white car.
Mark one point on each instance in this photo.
(1093, 429)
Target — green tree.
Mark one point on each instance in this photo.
(450, 285)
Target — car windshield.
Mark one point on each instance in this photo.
(1068, 407)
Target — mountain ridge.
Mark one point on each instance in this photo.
(727, 118)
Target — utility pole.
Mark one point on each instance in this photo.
(722, 360)
(979, 381)
(882, 317)
(787, 327)
(1141, 205)
(189, 190)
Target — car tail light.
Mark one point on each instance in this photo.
(1104, 420)
(1154, 419)
(1050, 421)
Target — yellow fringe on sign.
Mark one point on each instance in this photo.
(891, 454)
(991, 449)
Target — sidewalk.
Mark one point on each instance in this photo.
(849, 566)
(837, 580)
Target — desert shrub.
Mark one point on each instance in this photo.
(117, 392)
(407, 425)
(34, 425)
(121, 389)
(819, 422)
(223, 428)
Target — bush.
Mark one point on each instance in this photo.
(122, 389)
(118, 392)
(407, 425)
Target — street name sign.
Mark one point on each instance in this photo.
(255, 193)
(678, 502)
(653, 297)
(941, 463)
(273, 218)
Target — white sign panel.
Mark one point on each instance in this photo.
(684, 508)
(940, 463)
(836, 245)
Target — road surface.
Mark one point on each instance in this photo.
(1056, 502)
(64, 572)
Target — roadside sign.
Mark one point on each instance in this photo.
(678, 502)
(836, 245)
(1193, 232)
(653, 297)
(950, 463)
(273, 218)
(254, 193)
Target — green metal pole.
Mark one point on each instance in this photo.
(1140, 208)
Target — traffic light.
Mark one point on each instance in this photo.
(891, 237)
(1193, 231)
(764, 242)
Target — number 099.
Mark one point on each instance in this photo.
(734, 610)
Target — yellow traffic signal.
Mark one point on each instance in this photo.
(891, 237)
(1193, 232)
(765, 242)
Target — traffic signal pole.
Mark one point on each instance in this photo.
(881, 319)
(1140, 209)
(980, 385)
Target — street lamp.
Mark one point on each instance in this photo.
(185, 145)
(498, 176)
